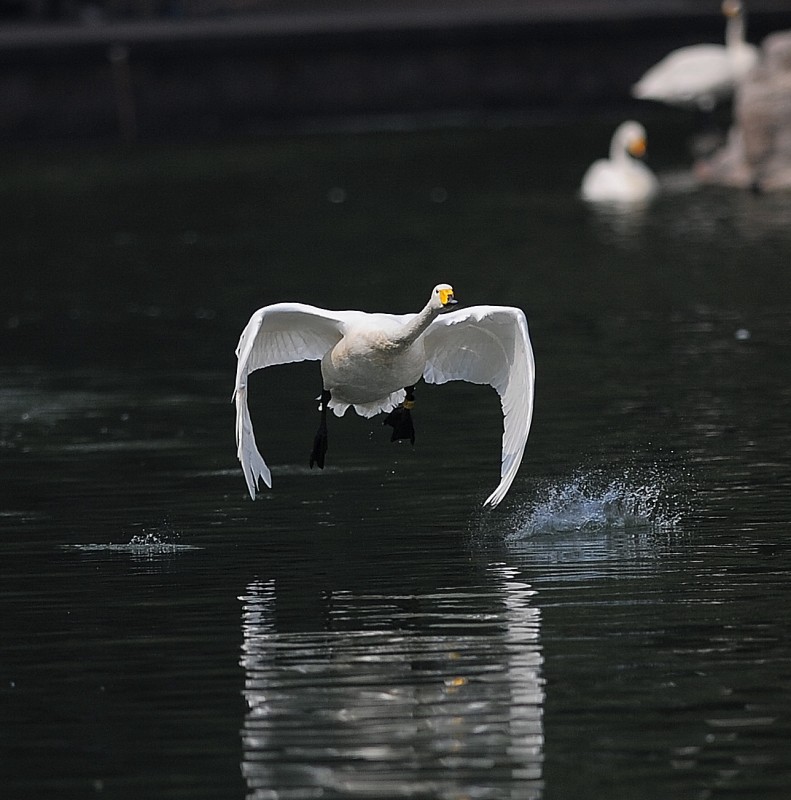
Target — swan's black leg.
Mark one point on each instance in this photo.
(400, 418)
(320, 439)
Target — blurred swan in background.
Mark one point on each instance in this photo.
(621, 178)
(372, 362)
(702, 74)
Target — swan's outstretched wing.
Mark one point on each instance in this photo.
(694, 75)
(277, 334)
(491, 345)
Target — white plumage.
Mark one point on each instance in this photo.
(367, 360)
(702, 75)
(621, 178)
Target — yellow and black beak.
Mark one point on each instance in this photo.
(446, 298)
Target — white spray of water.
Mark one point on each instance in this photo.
(593, 502)
(145, 544)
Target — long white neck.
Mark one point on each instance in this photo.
(417, 325)
(617, 152)
(735, 31)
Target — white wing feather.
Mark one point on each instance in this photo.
(277, 334)
(697, 75)
(685, 74)
(489, 345)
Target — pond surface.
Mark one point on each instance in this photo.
(618, 628)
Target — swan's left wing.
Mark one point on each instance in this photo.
(489, 345)
(277, 334)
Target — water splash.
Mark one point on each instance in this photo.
(591, 502)
(144, 544)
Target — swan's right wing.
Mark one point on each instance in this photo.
(278, 334)
(489, 345)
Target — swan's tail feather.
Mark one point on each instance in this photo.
(368, 410)
(253, 464)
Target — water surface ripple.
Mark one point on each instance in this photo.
(617, 628)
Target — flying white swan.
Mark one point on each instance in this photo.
(702, 74)
(372, 362)
(621, 178)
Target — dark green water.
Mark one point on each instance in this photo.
(618, 628)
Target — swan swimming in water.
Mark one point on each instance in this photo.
(702, 74)
(371, 362)
(621, 178)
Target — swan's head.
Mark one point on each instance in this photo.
(731, 8)
(442, 297)
(631, 137)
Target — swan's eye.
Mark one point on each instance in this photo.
(446, 296)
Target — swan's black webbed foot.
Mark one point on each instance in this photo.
(400, 418)
(320, 439)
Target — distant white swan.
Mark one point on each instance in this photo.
(621, 178)
(372, 362)
(701, 75)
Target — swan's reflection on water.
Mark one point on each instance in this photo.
(435, 695)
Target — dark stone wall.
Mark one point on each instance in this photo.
(164, 80)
